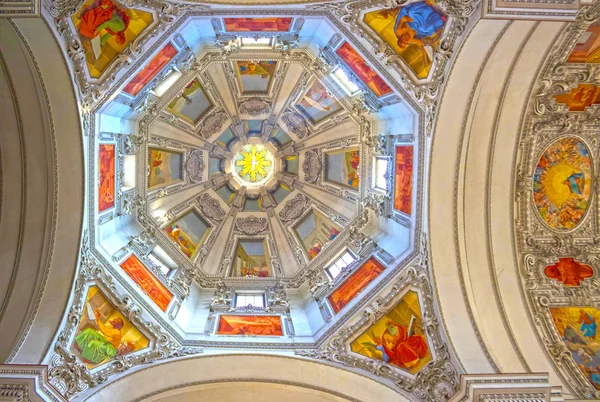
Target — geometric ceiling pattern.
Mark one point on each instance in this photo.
(256, 181)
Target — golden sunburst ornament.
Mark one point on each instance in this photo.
(255, 161)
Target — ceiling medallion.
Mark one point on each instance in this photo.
(253, 165)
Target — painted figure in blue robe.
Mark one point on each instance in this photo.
(576, 183)
(588, 325)
(595, 377)
(417, 24)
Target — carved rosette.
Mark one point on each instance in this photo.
(312, 165)
(211, 208)
(251, 225)
(295, 123)
(294, 208)
(254, 107)
(194, 166)
(212, 124)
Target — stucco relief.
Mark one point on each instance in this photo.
(557, 212)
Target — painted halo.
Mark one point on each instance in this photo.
(562, 183)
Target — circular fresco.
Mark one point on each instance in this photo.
(253, 164)
(562, 183)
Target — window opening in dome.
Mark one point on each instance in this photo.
(256, 42)
(338, 266)
(379, 174)
(167, 83)
(340, 76)
(256, 300)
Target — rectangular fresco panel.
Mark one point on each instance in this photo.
(192, 105)
(398, 338)
(255, 77)
(257, 24)
(360, 67)
(314, 231)
(106, 28)
(252, 259)
(257, 325)
(106, 167)
(147, 281)
(342, 167)
(579, 98)
(317, 104)
(165, 167)
(577, 328)
(189, 232)
(104, 333)
(355, 283)
(412, 31)
(587, 48)
(158, 62)
(403, 179)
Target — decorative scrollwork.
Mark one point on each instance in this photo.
(251, 225)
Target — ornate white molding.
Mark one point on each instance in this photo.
(530, 387)
(27, 383)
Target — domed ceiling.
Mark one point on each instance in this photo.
(255, 182)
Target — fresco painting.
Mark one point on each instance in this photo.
(412, 31)
(189, 232)
(314, 231)
(192, 105)
(252, 259)
(158, 62)
(257, 325)
(562, 183)
(255, 76)
(342, 167)
(577, 326)
(587, 48)
(165, 167)
(355, 283)
(106, 28)
(398, 338)
(317, 104)
(581, 97)
(104, 333)
(147, 281)
(360, 67)
(257, 24)
(106, 168)
(403, 179)
(569, 272)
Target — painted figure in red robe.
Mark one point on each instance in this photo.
(104, 14)
(399, 347)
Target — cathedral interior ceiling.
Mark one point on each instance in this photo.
(262, 179)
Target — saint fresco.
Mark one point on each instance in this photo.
(562, 183)
(581, 97)
(165, 167)
(355, 283)
(106, 28)
(255, 77)
(360, 67)
(158, 62)
(192, 105)
(587, 48)
(398, 338)
(257, 24)
(256, 325)
(413, 31)
(106, 168)
(189, 232)
(104, 333)
(577, 326)
(314, 231)
(342, 167)
(569, 272)
(252, 259)
(317, 104)
(403, 179)
(147, 281)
